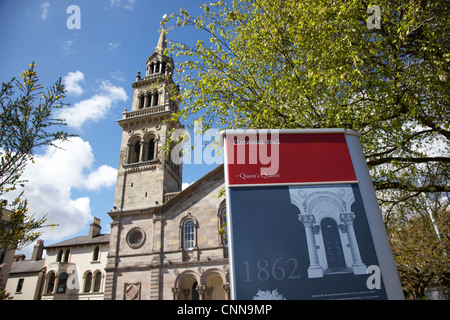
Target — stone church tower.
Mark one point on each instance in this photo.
(164, 241)
(145, 174)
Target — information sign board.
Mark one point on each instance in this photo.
(303, 221)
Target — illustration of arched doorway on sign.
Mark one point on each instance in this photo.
(325, 212)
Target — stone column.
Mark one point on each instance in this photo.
(226, 288)
(112, 261)
(129, 153)
(145, 101)
(176, 293)
(201, 292)
(314, 270)
(150, 99)
(358, 266)
(141, 152)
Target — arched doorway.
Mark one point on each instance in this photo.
(332, 244)
(188, 288)
(210, 284)
(214, 287)
(194, 292)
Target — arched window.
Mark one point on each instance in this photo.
(188, 235)
(151, 149)
(141, 101)
(97, 281)
(95, 254)
(136, 152)
(155, 98)
(62, 283)
(59, 255)
(134, 149)
(87, 282)
(51, 282)
(222, 213)
(66, 255)
(151, 68)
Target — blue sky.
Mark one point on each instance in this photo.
(97, 63)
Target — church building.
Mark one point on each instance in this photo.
(164, 241)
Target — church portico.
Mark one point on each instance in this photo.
(200, 283)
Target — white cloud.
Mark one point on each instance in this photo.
(71, 81)
(117, 75)
(124, 4)
(103, 176)
(184, 185)
(67, 46)
(113, 45)
(52, 179)
(44, 10)
(430, 145)
(94, 108)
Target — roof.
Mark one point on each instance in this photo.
(27, 266)
(83, 240)
(176, 197)
(218, 171)
(161, 46)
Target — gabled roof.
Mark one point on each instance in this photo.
(195, 185)
(27, 266)
(177, 198)
(83, 240)
(216, 173)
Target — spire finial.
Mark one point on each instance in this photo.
(161, 46)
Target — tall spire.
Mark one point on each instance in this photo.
(161, 46)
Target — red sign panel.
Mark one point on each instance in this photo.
(287, 158)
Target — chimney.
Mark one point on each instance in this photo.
(19, 257)
(95, 228)
(37, 250)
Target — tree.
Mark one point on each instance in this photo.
(26, 123)
(380, 70)
(18, 229)
(307, 64)
(420, 242)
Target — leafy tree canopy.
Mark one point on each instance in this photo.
(26, 123)
(379, 68)
(324, 64)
